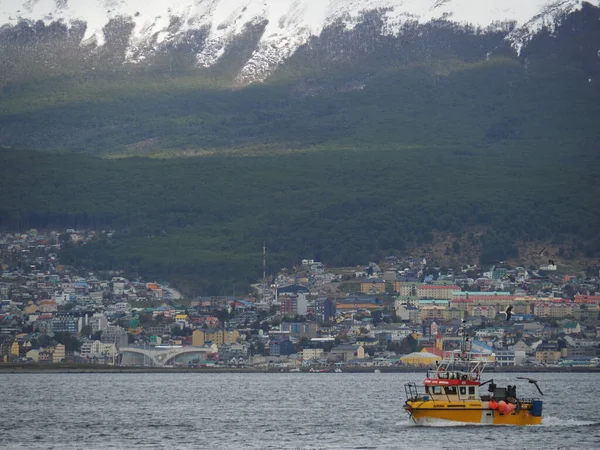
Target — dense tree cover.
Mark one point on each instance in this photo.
(359, 146)
(202, 220)
(477, 104)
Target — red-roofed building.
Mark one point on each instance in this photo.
(491, 299)
(48, 306)
(554, 309)
(587, 299)
(488, 312)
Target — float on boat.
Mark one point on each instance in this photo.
(453, 391)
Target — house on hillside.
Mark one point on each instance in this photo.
(372, 286)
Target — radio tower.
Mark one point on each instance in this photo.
(264, 287)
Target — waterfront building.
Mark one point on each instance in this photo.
(505, 358)
(44, 356)
(282, 346)
(114, 334)
(215, 336)
(58, 354)
(65, 323)
(547, 353)
(422, 358)
(309, 354)
(33, 354)
(346, 352)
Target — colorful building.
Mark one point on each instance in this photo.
(422, 358)
(436, 291)
(372, 286)
(216, 336)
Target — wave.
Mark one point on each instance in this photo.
(552, 421)
(547, 421)
(430, 422)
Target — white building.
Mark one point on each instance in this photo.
(309, 354)
(302, 308)
(62, 298)
(97, 349)
(98, 322)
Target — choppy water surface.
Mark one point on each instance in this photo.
(287, 410)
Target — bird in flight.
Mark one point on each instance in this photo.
(532, 381)
(538, 254)
(508, 312)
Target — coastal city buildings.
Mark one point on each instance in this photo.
(395, 313)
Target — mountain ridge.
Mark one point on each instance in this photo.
(359, 145)
(284, 25)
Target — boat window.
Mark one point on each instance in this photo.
(463, 390)
(451, 390)
(471, 390)
(437, 390)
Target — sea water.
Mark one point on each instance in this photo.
(272, 411)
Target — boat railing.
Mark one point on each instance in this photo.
(415, 392)
(459, 365)
(528, 400)
(451, 374)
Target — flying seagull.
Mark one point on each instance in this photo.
(538, 254)
(532, 381)
(508, 312)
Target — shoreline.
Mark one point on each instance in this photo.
(75, 369)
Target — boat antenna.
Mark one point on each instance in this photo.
(465, 339)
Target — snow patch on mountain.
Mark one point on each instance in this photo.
(289, 23)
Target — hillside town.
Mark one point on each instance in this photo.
(399, 312)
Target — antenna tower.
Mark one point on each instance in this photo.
(264, 277)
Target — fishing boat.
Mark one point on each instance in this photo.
(453, 391)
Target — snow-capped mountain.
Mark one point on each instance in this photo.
(284, 25)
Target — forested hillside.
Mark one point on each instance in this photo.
(359, 146)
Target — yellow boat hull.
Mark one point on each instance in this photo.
(467, 412)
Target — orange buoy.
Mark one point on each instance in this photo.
(493, 404)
